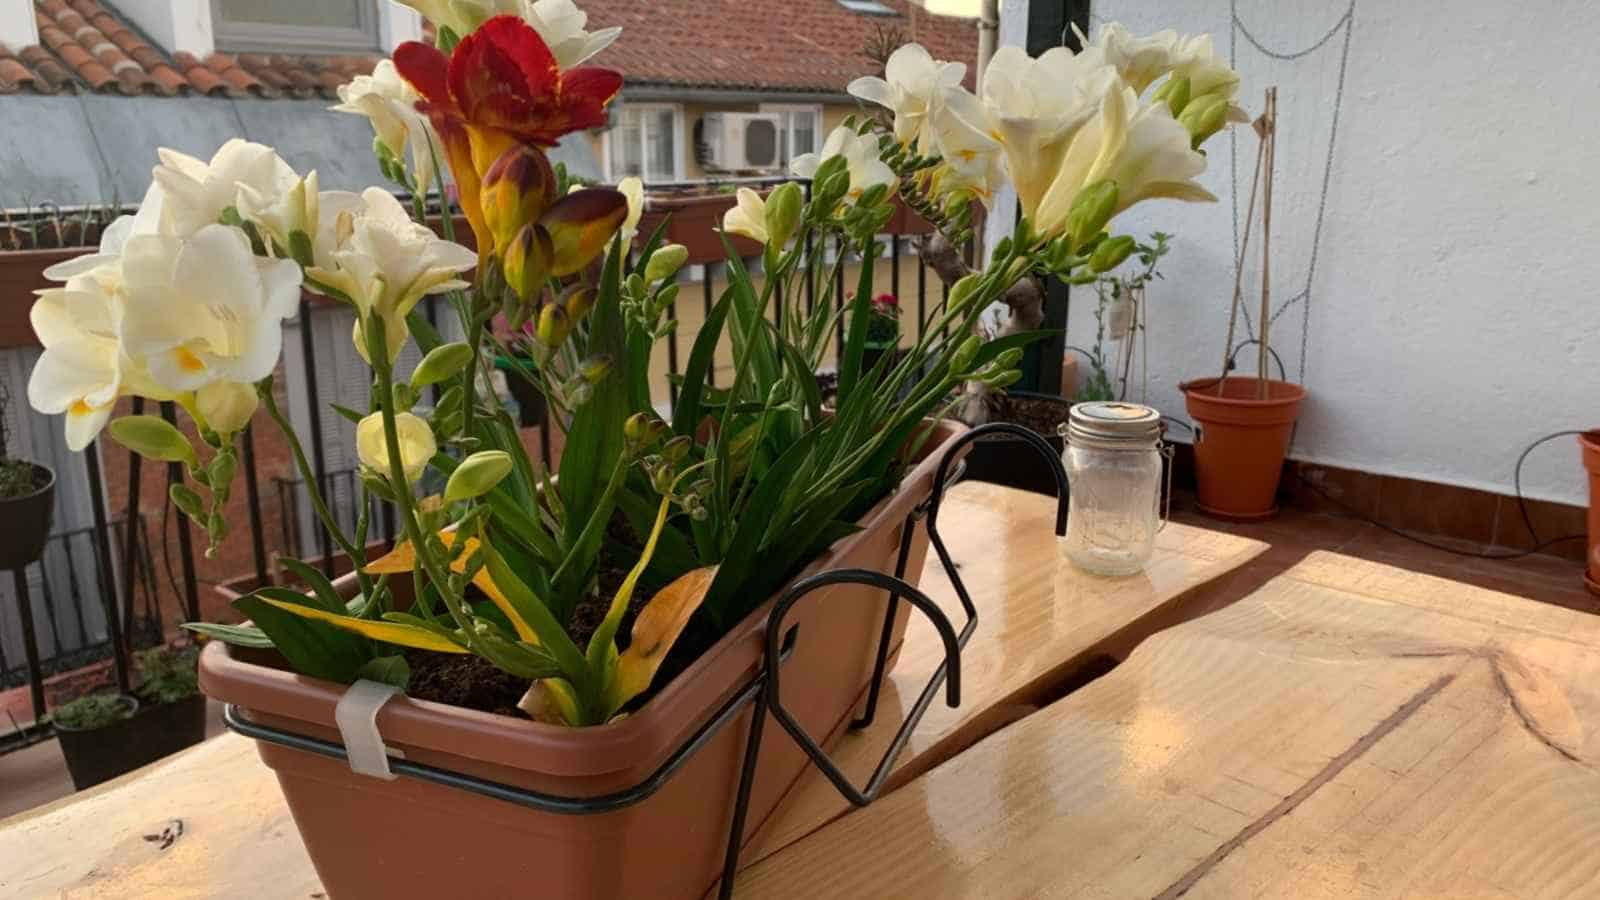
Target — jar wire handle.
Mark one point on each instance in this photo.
(1167, 453)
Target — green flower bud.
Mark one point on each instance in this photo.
(643, 429)
(187, 501)
(665, 263)
(554, 325)
(1204, 117)
(152, 437)
(963, 291)
(1007, 359)
(783, 213)
(1175, 91)
(1090, 212)
(220, 472)
(962, 357)
(441, 363)
(677, 449)
(477, 475)
(1004, 379)
(1111, 253)
(226, 406)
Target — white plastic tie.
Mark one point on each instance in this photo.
(357, 718)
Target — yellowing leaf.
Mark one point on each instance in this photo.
(551, 700)
(403, 559)
(654, 632)
(389, 632)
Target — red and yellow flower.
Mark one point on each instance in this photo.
(502, 92)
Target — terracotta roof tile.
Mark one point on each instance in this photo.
(86, 43)
(793, 45)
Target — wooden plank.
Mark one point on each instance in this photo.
(1349, 730)
(208, 822)
(1040, 619)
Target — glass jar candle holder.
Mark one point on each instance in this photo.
(1114, 460)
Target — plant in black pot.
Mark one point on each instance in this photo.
(105, 734)
(27, 501)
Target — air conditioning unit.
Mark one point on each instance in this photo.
(741, 142)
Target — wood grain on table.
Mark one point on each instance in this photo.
(1349, 730)
(1039, 619)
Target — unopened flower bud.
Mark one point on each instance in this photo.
(441, 362)
(415, 438)
(152, 437)
(1090, 212)
(783, 213)
(665, 263)
(226, 406)
(1111, 253)
(1007, 358)
(577, 300)
(1175, 91)
(643, 429)
(1204, 117)
(477, 475)
(554, 325)
(1004, 379)
(187, 501)
(963, 291)
(676, 450)
(526, 262)
(595, 368)
(516, 190)
(220, 473)
(963, 355)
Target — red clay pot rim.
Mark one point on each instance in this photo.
(1590, 441)
(1193, 389)
(662, 724)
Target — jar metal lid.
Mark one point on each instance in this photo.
(1113, 426)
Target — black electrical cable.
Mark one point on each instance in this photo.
(1522, 505)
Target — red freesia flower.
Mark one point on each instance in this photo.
(499, 89)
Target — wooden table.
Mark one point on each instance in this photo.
(1349, 730)
(211, 823)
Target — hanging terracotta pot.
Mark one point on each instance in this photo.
(1240, 443)
(1590, 441)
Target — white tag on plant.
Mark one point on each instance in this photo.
(357, 717)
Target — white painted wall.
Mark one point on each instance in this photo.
(18, 28)
(175, 25)
(1455, 312)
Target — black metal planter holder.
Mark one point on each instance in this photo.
(763, 691)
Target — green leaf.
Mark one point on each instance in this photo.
(387, 670)
(856, 333)
(686, 416)
(552, 637)
(577, 568)
(347, 413)
(805, 379)
(237, 635)
(751, 348)
(313, 648)
(595, 441)
(322, 589)
(988, 351)
(674, 556)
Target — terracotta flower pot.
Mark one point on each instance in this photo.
(410, 838)
(1240, 443)
(1590, 440)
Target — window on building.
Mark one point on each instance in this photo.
(295, 25)
(801, 132)
(645, 141)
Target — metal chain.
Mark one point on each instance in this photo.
(1303, 297)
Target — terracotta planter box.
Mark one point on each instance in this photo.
(22, 273)
(695, 220)
(410, 838)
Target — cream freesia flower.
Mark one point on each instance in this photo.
(860, 152)
(1141, 61)
(912, 88)
(195, 194)
(203, 309)
(462, 16)
(281, 215)
(561, 24)
(1196, 59)
(417, 444)
(385, 263)
(748, 217)
(1137, 146)
(226, 406)
(80, 371)
(390, 102)
(960, 135)
(1035, 107)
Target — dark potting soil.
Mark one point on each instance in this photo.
(462, 679)
(1039, 414)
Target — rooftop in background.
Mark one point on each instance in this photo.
(775, 45)
(86, 46)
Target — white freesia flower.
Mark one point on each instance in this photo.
(1196, 59)
(80, 371)
(1138, 146)
(912, 87)
(203, 309)
(960, 135)
(391, 103)
(1035, 107)
(385, 263)
(748, 217)
(417, 444)
(281, 215)
(867, 170)
(561, 23)
(146, 221)
(1140, 60)
(195, 193)
(461, 16)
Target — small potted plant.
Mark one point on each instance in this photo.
(883, 331)
(106, 734)
(27, 502)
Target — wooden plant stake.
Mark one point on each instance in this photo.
(1267, 128)
(1238, 264)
